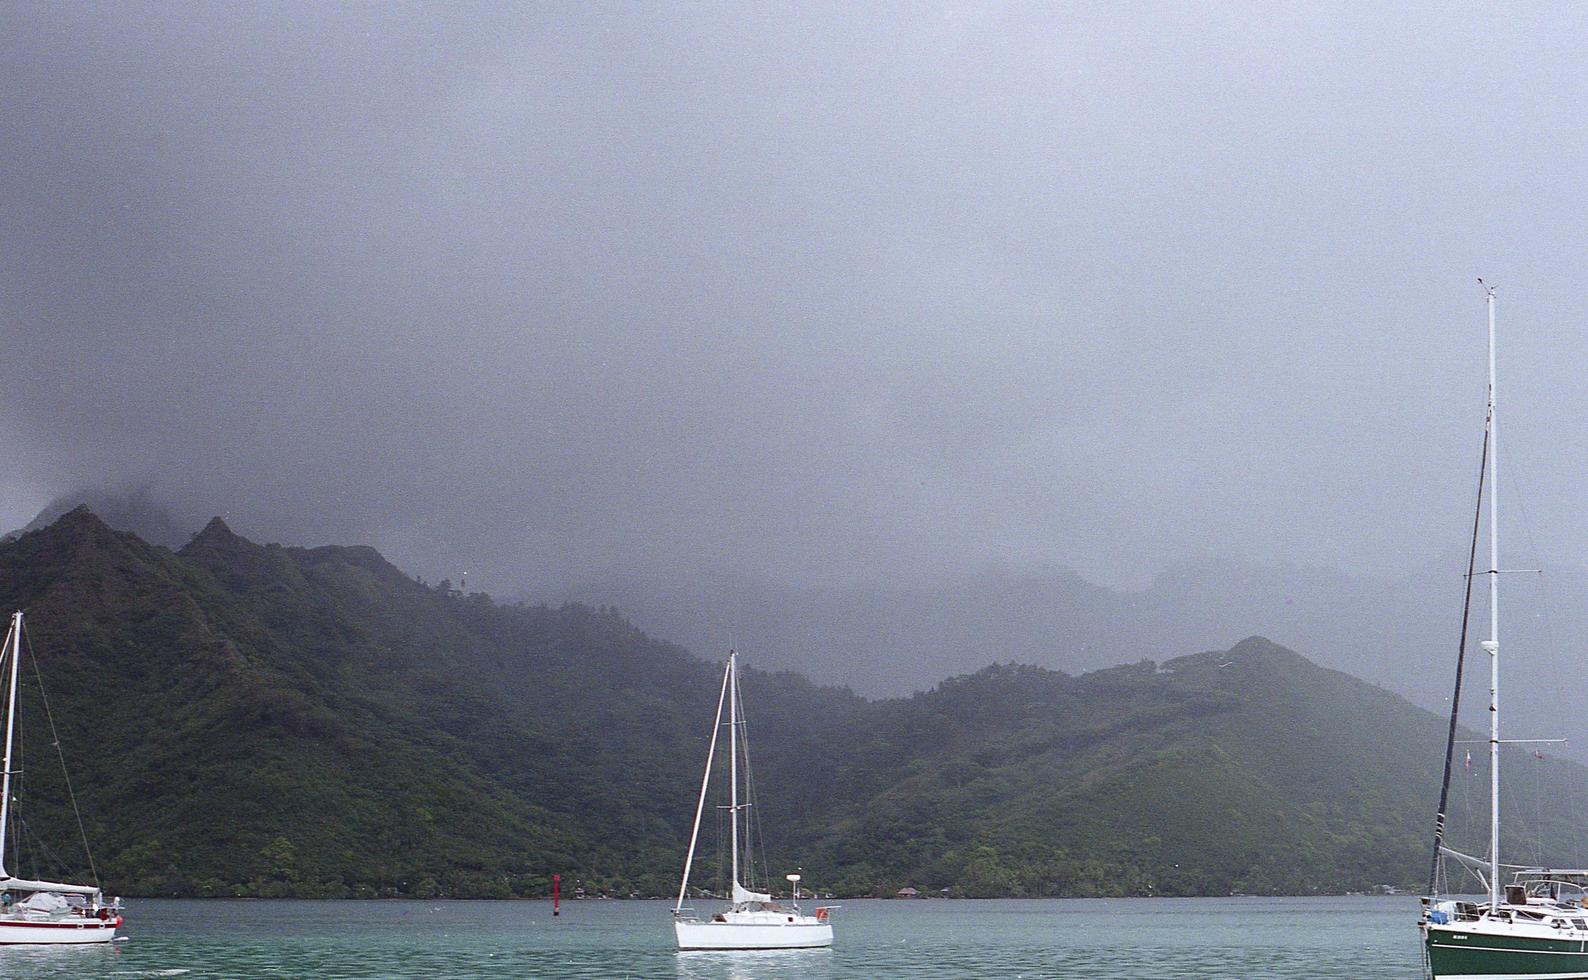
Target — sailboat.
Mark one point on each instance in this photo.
(42, 912)
(752, 920)
(1535, 925)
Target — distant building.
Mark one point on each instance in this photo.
(909, 893)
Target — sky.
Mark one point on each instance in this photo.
(813, 294)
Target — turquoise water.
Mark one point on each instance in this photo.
(1103, 939)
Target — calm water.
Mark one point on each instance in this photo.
(1138, 939)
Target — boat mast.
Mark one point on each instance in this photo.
(733, 757)
(11, 723)
(705, 784)
(1493, 643)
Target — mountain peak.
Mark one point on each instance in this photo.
(216, 531)
(135, 509)
(1255, 646)
(79, 522)
(239, 562)
(218, 541)
(80, 513)
(80, 547)
(1254, 651)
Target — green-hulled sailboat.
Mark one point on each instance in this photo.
(1536, 925)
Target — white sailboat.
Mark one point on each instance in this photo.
(1535, 926)
(42, 912)
(753, 920)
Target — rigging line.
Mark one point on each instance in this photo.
(722, 853)
(1568, 791)
(751, 845)
(1461, 659)
(14, 763)
(1538, 791)
(19, 786)
(1531, 836)
(758, 835)
(1466, 803)
(19, 826)
(755, 812)
(56, 737)
(1544, 603)
(38, 843)
(1518, 814)
(1515, 487)
(1543, 591)
(1545, 606)
(1531, 833)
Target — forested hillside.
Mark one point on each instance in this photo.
(259, 720)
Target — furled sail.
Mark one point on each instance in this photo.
(28, 885)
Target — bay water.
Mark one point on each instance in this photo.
(1067, 939)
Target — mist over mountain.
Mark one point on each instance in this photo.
(136, 509)
(827, 296)
(887, 642)
(1401, 634)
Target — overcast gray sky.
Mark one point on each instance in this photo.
(805, 292)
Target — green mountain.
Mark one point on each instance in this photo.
(260, 720)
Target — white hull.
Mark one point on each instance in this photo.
(803, 933)
(73, 930)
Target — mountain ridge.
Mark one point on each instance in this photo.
(886, 640)
(264, 720)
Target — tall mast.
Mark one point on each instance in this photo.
(705, 785)
(11, 724)
(1493, 644)
(733, 756)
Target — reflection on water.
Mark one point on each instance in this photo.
(754, 964)
(1125, 939)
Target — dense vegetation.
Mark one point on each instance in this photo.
(245, 719)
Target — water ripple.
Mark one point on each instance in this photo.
(1129, 939)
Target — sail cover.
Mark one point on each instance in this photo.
(742, 894)
(27, 885)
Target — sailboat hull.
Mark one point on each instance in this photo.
(807, 934)
(17, 932)
(1462, 952)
